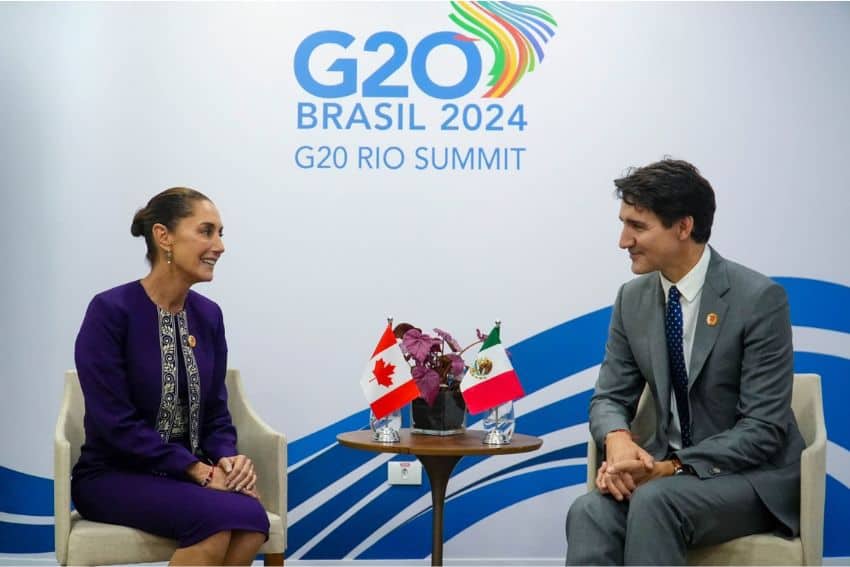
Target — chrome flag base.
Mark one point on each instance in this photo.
(386, 435)
(499, 424)
(385, 429)
(495, 437)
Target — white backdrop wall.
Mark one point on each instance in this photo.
(103, 105)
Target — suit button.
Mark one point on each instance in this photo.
(714, 470)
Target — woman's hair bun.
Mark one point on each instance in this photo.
(138, 226)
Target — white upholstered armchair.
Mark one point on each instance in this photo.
(81, 542)
(764, 549)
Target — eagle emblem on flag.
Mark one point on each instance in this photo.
(481, 367)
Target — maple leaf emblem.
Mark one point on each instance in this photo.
(383, 372)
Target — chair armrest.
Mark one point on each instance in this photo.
(812, 495)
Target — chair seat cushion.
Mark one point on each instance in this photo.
(93, 543)
(758, 549)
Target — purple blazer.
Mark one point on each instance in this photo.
(126, 357)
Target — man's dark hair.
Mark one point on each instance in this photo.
(672, 189)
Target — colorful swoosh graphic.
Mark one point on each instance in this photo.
(515, 33)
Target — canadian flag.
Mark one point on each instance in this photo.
(386, 382)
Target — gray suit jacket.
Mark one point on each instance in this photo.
(739, 381)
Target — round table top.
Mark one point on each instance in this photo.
(467, 443)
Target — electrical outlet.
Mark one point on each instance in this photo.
(404, 472)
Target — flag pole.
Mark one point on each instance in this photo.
(386, 429)
(498, 325)
(494, 436)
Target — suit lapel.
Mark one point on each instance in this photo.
(712, 308)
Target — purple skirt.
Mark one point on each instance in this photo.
(164, 506)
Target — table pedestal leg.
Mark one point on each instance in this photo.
(438, 469)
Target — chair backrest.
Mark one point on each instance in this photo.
(807, 404)
(68, 438)
(246, 422)
(267, 447)
(270, 465)
(72, 413)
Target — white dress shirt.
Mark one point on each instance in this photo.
(690, 288)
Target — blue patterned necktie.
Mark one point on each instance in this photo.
(676, 358)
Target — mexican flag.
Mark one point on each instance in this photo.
(387, 382)
(490, 380)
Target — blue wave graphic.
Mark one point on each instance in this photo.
(835, 382)
(837, 514)
(25, 538)
(467, 509)
(308, 446)
(300, 532)
(586, 336)
(816, 303)
(579, 344)
(21, 493)
(346, 536)
(571, 452)
(540, 360)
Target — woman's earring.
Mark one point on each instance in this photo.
(169, 256)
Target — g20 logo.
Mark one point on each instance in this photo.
(374, 86)
(514, 32)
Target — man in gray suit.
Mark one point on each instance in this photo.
(712, 340)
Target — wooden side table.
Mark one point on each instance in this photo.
(439, 455)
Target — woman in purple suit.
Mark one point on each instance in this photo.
(160, 451)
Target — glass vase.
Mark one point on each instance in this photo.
(447, 416)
